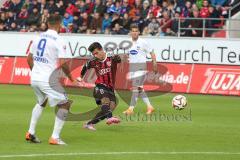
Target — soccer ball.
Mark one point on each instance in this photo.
(179, 102)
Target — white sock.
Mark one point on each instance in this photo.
(59, 122)
(36, 113)
(134, 99)
(145, 98)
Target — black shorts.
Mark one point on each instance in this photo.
(101, 91)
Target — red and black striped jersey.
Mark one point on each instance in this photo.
(105, 70)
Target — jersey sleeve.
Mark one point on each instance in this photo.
(86, 66)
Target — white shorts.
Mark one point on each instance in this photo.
(44, 91)
(137, 74)
(138, 78)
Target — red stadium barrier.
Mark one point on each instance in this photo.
(185, 78)
(21, 71)
(215, 79)
(6, 68)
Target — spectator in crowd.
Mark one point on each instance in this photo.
(126, 22)
(43, 27)
(116, 8)
(32, 28)
(81, 6)
(99, 8)
(218, 2)
(44, 17)
(60, 8)
(199, 3)
(115, 19)
(10, 18)
(66, 23)
(43, 6)
(137, 7)
(154, 8)
(51, 7)
(5, 6)
(34, 4)
(75, 23)
(175, 23)
(33, 18)
(195, 26)
(3, 17)
(13, 27)
(186, 10)
(145, 31)
(32, 15)
(23, 16)
(165, 22)
(71, 9)
(213, 23)
(125, 7)
(109, 6)
(106, 23)
(153, 26)
(89, 6)
(85, 21)
(2, 27)
(107, 31)
(96, 23)
(204, 12)
(145, 9)
(118, 29)
(169, 32)
(15, 6)
(194, 7)
(138, 21)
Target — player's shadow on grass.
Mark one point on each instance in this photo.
(153, 85)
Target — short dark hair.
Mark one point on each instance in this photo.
(93, 46)
(54, 19)
(134, 26)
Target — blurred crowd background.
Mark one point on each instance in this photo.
(154, 17)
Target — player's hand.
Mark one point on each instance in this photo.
(73, 81)
(79, 79)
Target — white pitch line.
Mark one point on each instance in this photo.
(115, 153)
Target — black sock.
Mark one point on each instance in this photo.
(104, 113)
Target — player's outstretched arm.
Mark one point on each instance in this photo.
(66, 70)
(153, 56)
(30, 60)
(85, 67)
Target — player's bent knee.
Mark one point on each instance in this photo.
(140, 89)
(105, 101)
(44, 103)
(112, 105)
(65, 105)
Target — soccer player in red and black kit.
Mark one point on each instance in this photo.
(105, 68)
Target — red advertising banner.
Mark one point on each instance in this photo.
(215, 79)
(21, 71)
(170, 77)
(185, 78)
(6, 68)
(177, 75)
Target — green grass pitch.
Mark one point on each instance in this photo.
(208, 129)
